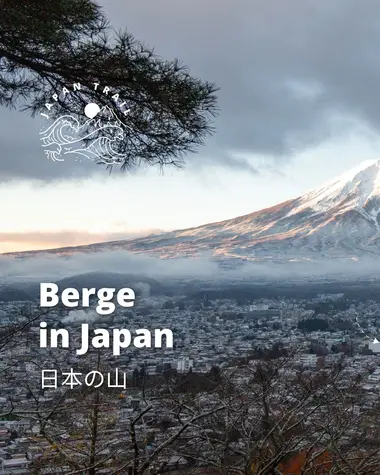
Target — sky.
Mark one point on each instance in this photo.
(298, 105)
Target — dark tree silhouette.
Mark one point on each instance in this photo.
(45, 47)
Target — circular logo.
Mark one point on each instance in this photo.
(94, 133)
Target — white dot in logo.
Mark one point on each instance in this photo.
(91, 110)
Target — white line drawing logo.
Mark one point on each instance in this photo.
(99, 138)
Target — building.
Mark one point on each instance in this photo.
(184, 365)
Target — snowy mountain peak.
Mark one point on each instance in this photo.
(357, 189)
(338, 220)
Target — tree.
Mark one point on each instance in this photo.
(215, 373)
(87, 441)
(262, 418)
(278, 421)
(44, 50)
(92, 431)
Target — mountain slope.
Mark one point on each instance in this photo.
(340, 219)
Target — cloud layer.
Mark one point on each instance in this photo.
(284, 68)
(45, 266)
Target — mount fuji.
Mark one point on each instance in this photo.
(338, 220)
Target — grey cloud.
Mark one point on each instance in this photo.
(260, 52)
(284, 68)
(54, 267)
(51, 266)
(21, 155)
(227, 160)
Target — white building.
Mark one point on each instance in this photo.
(15, 465)
(260, 306)
(184, 365)
(309, 360)
(374, 346)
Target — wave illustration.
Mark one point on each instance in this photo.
(96, 139)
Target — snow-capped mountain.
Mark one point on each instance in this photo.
(338, 220)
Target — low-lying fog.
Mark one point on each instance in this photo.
(17, 269)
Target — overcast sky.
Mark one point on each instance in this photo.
(299, 104)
